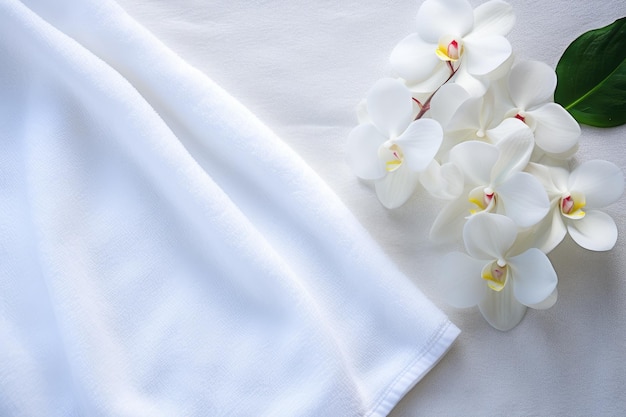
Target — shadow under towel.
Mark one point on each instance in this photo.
(162, 253)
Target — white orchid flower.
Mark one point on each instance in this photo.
(501, 282)
(494, 182)
(392, 148)
(575, 200)
(451, 34)
(466, 117)
(531, 86)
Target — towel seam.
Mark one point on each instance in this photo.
(432, 342)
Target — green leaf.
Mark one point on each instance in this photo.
(592, 76)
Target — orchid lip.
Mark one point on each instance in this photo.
(391, 154)
(484, 198)
(572, 204)
(449, 48)
(496, 274)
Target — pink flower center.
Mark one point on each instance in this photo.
(489, 194)
(453, 50)
(567, 204)
(572, 205)
(449, 48)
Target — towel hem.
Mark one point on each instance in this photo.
(416, 370)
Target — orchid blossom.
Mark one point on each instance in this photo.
(575, 200)
(483, 133)
(450, 34)
(531, 86)
(466, 117)
(493, 276)
(392, 149)
(494, 182)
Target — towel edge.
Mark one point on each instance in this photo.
(416, 370)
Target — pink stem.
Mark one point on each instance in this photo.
(426, 106)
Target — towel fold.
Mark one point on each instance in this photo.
(163, 253)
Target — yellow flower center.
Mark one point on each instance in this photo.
(496, 274)
(484, 198)
(392, 155)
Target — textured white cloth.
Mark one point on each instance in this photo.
(302, 67)
(163, 253)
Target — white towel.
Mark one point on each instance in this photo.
(162, 253)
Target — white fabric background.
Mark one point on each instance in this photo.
(163, 253)
(302, 67)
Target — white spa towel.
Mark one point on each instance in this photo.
(162, 253)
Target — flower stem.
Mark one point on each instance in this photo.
(426, 106)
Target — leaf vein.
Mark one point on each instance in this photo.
(596, 87)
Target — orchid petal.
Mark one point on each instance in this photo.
(596, 231)
(548, 302)
(539, 154)
(515, 146)
(362, 152)
(467, 117)
(602, 182)
(531, 83)
(556, 131)
(414, 59)
(432, 82)
(504, 129)
(390, 106)
(489, 236)
(420, 143)
(396, 187)
(476, 87)
(460, 282)
(524, 199)
(553, 179)
(445, 103)
(494, 17)
(502, 72)
(436, 18)
(550, 232)
(443, 181)
(475, 160)
(486, 53)
(533, 276)
(501, 310)
(487, 108)
(500, 98)
(448, 225)
(361, 112)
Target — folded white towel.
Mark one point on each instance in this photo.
(162, 253)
